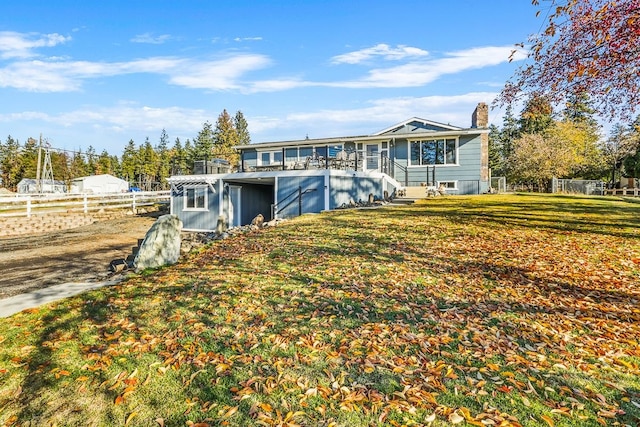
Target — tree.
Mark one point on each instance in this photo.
(242, 128)
(78, 166)
(588, 46)
(496, 161)
(10, 163)
(129, 162)
(147, 166)
(203, 144)
(536, 160)
(164, 159)
(631, 159)
(618, 146)
(586, 159)
(579, 109)
(225, 139)
(537, 115)
(92, 161)
(29, 158)
(178, 159)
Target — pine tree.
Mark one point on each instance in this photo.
(225, 139)
(178, 159)
(242, 128)
(203, 144)
(129, 162)
(164, 160)
(537, 115)
(10, 163)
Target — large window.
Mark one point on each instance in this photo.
(434, 152)
(271, 157)
(195, 198)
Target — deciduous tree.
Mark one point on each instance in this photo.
(586, 46)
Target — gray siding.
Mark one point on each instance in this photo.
(312, 201)
(467, 169)
(343, 189)
(196, 220)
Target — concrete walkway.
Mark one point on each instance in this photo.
(16, 304)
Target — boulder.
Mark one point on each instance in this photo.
(258, 221)
(161, 245)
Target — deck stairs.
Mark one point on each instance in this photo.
(411, 194)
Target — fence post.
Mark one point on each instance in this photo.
(85, 204)
(28, 206)
(300, 201)
(133, 203)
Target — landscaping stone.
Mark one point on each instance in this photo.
(161, 245)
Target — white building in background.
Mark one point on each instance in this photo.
(98, 184)
(30, 186)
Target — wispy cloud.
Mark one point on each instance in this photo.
(22, 45)
(376, 115)
(127, 118)
(384, 51)
(420, 73)
(63, 76)
(151, 39)
(247, 39)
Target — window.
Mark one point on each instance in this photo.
(434, 152)
(195, 198)
(449, 185)
(270, 157)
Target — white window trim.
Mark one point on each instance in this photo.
(455, 184)
(446, 165)
(206, 198)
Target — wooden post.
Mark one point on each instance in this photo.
(85, 204)
(28, 206)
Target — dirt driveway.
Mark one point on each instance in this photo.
(81, 254)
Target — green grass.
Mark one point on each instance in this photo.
(505, 309)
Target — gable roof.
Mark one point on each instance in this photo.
(413, 127)
(417, 125)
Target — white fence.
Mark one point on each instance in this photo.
(35, 204)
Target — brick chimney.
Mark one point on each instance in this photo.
(480, 116)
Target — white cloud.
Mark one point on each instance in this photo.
(222, 74)
(151, 39)
(125, 118)
(247, 39)
(421, 73)
(62, 76)
(21, 45)
(376, 115)
(381, 50)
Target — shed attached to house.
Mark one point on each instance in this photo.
(201, 200)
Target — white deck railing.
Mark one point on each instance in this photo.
(37, 204)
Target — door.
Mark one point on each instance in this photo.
(235, 211)
(372, 157)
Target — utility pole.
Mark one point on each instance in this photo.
(38, 181)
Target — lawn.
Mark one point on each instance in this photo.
(500, 310)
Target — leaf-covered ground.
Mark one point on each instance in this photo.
(491, 310)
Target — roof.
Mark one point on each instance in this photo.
(44, 181)
(421, 128)
(424, 122)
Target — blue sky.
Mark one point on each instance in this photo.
(101, 73)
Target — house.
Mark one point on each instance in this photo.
(98, 184)
(287, 178)
(30, 186)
